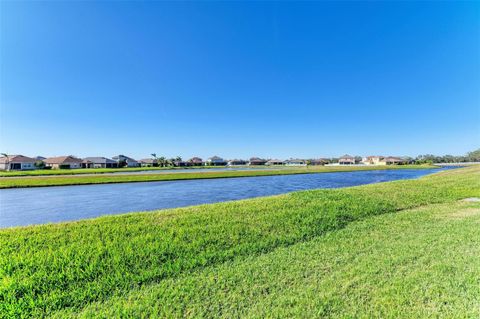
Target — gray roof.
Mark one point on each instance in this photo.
(128, 159)
(215, 158)
(98, 160)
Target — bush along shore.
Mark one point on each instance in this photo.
(42, 181)
(208, 260)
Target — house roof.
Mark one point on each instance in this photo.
(215, 158)
(318, 160)
(347, 157)
(148, 161)
(257, 159)
(128, 159)
(98, 160)
(393, 158)
(17, 159)
(294, 160)
(274, 161)
(195, 159)
(62, 160)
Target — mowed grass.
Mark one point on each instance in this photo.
(42, 172)
(420, 263)
(118, 265)
(59, 180)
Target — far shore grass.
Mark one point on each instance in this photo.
(48, 172)
(59, 180)
(402, 249)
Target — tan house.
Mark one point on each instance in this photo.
(195, 161)
(274, 162)
(98, 162)
(392, 160)
(17, 163)
(373, 160)
(382, 160)
(148, 162)
(63, 162)
(257, 161)
(346, 160)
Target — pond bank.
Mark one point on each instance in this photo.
(43, 181)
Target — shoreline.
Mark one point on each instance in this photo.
(59, 180)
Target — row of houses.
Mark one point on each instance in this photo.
(20, 162)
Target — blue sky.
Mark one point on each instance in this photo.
(238, 79)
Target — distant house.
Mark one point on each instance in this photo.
(295, 162)
(195, 161)
(216, 161)
(256, 161)
(125, 161)
(40, 158)
(392, 160)
(236, 162)
(318, 161)
(16, 162)
(274, 162)
(98, 162)
(373, 160)
(63, 162)
(181, 163)
(148, 162)
(346, 160)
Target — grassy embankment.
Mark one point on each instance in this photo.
(304, 254)
(38, 181)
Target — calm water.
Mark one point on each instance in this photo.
(25, 206)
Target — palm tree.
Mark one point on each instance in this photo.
(155, 162)
(162, 161)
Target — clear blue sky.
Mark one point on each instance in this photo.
(238, 79)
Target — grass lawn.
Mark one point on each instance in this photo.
(59, 180)
(46, 172)
(398, 249)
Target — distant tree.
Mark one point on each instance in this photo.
(473, 156)
(40, 164)
(162, 161)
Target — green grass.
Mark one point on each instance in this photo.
(419, 263)
(119, 265)
(40, 181)
(47, 172)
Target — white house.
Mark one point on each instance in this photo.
(346, 160)
(295, 162)
(216, 161)
(128, 161)
(16, 162)
(98, 162)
